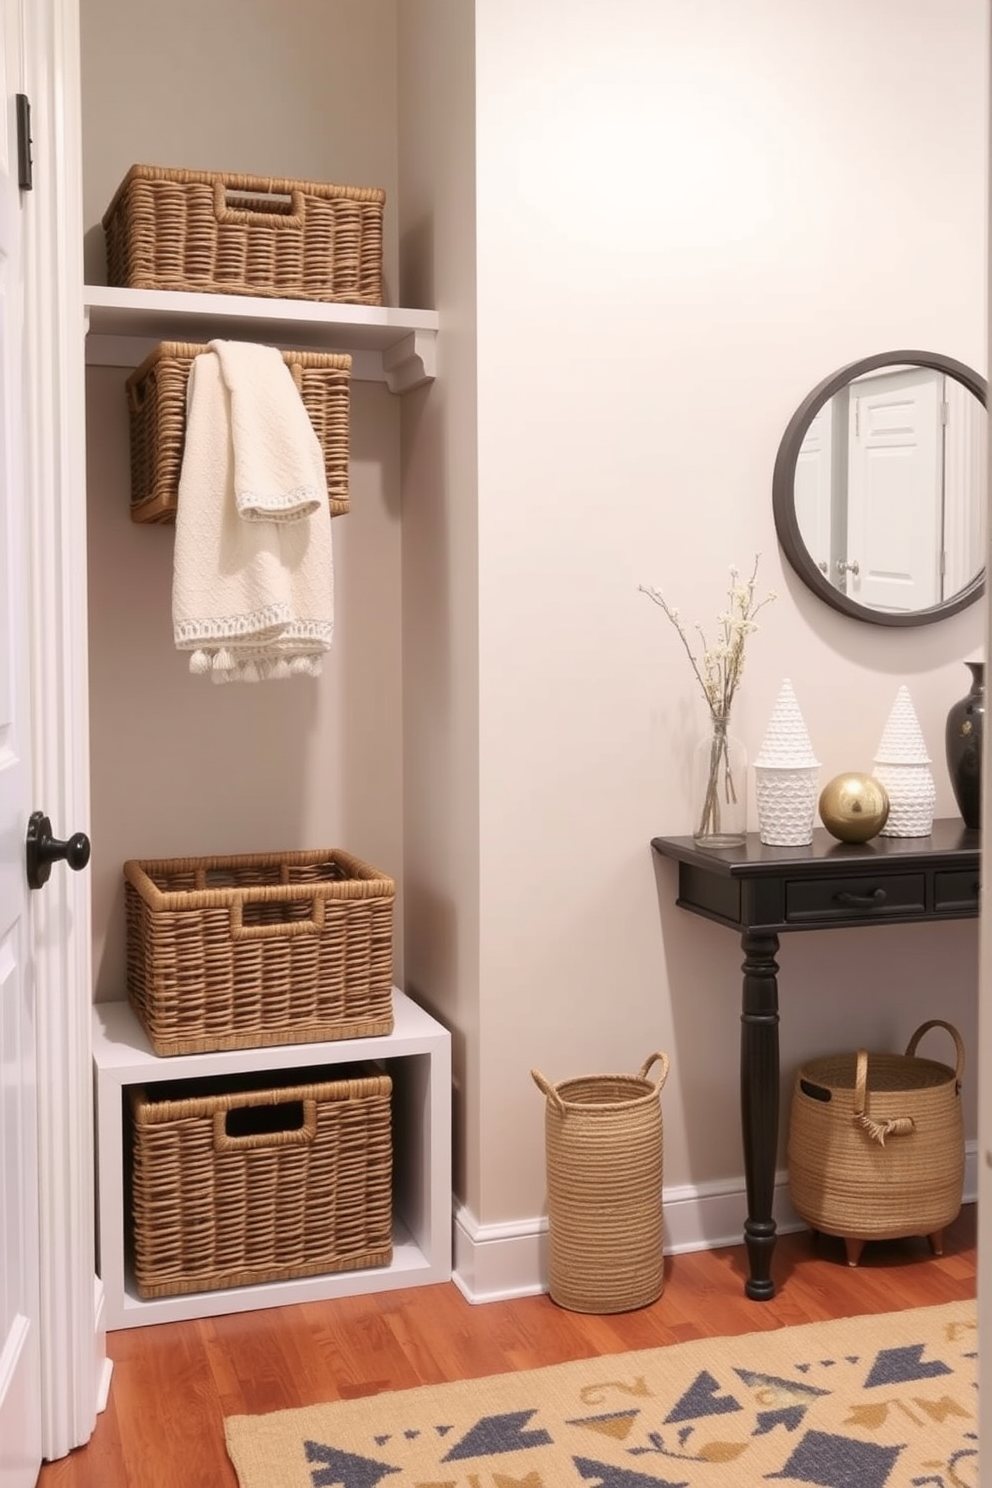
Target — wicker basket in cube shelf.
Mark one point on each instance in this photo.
(156, 393)
(208, 232)
(249, 1179)
(258, 949)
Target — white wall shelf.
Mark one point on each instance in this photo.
(417, 1055)
(387, 345)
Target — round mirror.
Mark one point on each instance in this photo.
(879, 490)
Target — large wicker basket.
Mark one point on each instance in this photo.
(247, 951)
(604, 1149)
(156, 393)
(876, 1144)
(250, 235)
(247, 1180)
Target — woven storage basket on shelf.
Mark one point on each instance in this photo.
(258, 949)
(205, 231)
(259, 1178)
(156, 395)
(876, 1144)
(604, 1149)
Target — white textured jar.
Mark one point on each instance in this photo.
(786, 800)
(912, 794)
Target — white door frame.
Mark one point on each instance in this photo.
(984, 1061)
(75, 1374)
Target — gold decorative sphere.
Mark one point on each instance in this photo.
(854, 807)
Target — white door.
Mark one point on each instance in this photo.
(895, 490)
(20, 1366)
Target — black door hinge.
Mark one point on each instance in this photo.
(24, 163)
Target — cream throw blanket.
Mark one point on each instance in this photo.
(253, 577)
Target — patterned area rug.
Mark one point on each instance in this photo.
(872, 1402)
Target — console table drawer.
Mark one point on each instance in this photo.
(956, 890)
(888, 896)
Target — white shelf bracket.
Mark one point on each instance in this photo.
(410, 362)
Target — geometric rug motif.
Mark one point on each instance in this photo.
(888, 1401)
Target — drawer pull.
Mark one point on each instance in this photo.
(862, 901)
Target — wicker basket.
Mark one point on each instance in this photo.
(156, 393)
(259, 949)
(250, 235)
(246, 1180)
(876, 1144)
(604, 1147)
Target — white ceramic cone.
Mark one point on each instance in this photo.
(902, 764)
(786, 774)
(786, 744)
(902, 741)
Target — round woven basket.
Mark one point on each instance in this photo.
(876, 1143)
(604, 1145)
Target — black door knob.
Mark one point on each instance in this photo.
(43, 850)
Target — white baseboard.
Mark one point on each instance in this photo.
(495, 1262)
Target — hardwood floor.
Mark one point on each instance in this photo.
(174, 1383)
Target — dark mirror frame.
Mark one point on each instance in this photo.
(783, 488)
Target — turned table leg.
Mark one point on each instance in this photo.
(759, 1105)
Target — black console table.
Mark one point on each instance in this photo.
(765, 891)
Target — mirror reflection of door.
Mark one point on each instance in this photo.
(895, 489)
(886, 485)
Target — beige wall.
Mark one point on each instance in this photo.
(649, 230)
(687, 216)
(441, 557)
(179, 766)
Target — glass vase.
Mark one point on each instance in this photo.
(719, 789)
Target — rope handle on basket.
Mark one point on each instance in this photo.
(546, 1088)
(896, 1126)
(958, 1044)
(876, 1130)
(642, 1073)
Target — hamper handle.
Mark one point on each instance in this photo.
(958, 1043)
(642, 1073)
(896, 1126)
(296, 1136)
(284, 929)
(546, 1088)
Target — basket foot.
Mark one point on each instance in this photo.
(854, 1249)
(936, 1243)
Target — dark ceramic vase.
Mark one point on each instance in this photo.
(965, 727)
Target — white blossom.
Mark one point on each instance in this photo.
(719, 668)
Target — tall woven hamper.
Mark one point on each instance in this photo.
(605, 1150)
(876, 1144)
